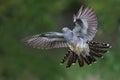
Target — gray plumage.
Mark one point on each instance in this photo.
(46, 41)
(77, 40)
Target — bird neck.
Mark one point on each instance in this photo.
(68, 35)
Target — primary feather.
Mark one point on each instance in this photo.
(85, 23)
(46, 41)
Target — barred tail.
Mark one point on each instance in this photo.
(96, 50)
(71, 56)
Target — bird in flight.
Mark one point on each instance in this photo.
(79, 42)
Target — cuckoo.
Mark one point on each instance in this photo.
(78, 40)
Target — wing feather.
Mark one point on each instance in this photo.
(46, 41)
(87, 28)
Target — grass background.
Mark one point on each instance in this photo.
(20, 18)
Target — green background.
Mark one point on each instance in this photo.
(21, 18)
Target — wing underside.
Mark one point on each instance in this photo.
(46, 41)
(86, 23)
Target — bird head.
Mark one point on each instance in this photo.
(65, 29)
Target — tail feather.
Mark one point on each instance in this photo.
(96, 50)
(65, 57)
(80, 60)
(87, 60)
(99, 45)
(74, 57)
(70, 61)
(93, 53)
(92, 58)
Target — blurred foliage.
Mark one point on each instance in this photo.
(20, 18)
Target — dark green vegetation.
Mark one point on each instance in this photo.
(20, 18)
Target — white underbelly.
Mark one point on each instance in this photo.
(80, 49)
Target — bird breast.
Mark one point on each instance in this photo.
(80, 47)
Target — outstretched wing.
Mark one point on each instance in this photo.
(85, 23)
(46, 41)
